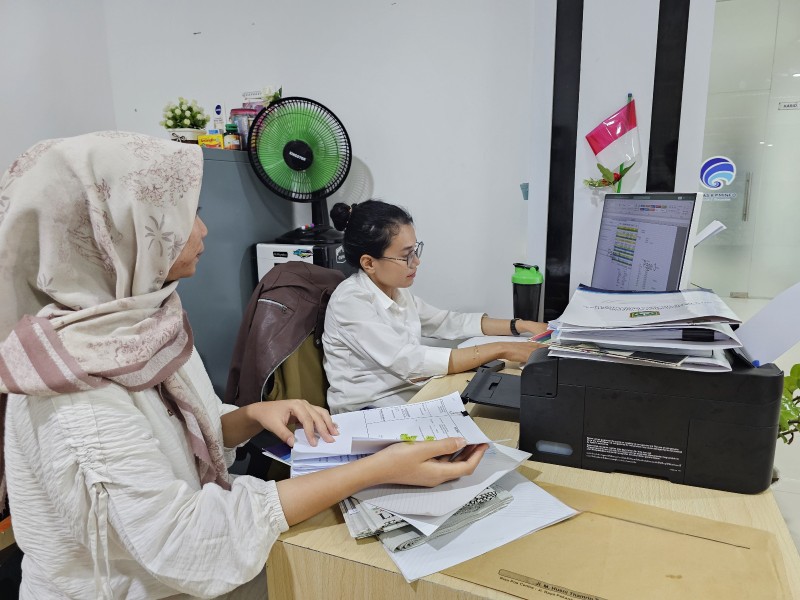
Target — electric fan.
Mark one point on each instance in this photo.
(301, 152)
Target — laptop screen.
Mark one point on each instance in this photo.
(642, 242)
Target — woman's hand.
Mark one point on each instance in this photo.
(464, 359)
(518, 351)
(409, 463)
(427, 463)
(531, 327)
(276, 416)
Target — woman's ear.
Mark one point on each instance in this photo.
(367, 263)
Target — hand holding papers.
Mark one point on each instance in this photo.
(433, 520)
(367, 431)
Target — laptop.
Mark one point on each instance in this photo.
(643, 244)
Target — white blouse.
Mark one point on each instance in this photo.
(107, 502)
(373, 344)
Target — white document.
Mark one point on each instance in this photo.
(531, 509)
(774, 329)
(303, 467)
(715, 363)
(427, 524)
(594, 308)
(447, 497)
(709, 231)
(488, 339)
(367, 431)
(652, 338)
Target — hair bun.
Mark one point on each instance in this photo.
(340, 215)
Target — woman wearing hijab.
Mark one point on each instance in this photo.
(115, 446)
(374, 355)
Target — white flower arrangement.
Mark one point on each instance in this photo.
(270, 94)
(184, 113)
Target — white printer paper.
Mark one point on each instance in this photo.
(449, 496)
(774, 329)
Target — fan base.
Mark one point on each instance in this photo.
(318, 234)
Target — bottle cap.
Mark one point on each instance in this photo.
(526, 274)
(230, 128)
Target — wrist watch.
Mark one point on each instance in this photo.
(513, 324)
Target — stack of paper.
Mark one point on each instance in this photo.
(489, 501)
(421, 514)
(689, 329)
(365, 520)
(365, 432)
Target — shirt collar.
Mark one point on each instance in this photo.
(383, 299)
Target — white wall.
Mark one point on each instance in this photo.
(614, 63)
(448, 104)
(541, 84)
(436, 98)
(54, 76)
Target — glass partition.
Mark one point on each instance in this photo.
(751, 151)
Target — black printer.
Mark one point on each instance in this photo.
(714, 430)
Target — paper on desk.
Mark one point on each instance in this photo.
(444, 498)
(531, 509)
(774, 329)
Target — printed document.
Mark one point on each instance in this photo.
(367, 431)
(589, 307)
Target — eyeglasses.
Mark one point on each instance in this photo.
(409, 260)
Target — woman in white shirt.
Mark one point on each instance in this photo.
(374, 354)
(115, 446)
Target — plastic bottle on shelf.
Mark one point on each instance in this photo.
(243, 118)
(231, 140)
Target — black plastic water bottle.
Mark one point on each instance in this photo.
(527, 288)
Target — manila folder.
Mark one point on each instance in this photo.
(620, 550)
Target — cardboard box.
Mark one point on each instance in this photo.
(622, 550)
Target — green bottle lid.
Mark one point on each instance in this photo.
(230, 128)
(526, 274)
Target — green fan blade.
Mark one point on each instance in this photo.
(311, 125)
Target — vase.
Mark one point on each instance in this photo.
(186, 135)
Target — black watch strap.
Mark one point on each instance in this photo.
(513, 324)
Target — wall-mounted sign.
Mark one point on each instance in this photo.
(793, 105)
(719, 196)
(717, 171)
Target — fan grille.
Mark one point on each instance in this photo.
(299, 119)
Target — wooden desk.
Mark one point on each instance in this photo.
(319, 559)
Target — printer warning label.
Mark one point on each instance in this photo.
(635, 453)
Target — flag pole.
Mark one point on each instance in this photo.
(622, 165)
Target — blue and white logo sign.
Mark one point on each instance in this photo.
(717, 171)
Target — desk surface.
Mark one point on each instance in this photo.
(318, 558)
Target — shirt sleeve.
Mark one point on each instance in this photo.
(447, 324)
(360, 327)
(115, 479)
(229, 453)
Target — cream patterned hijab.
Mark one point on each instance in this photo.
(89, 228)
